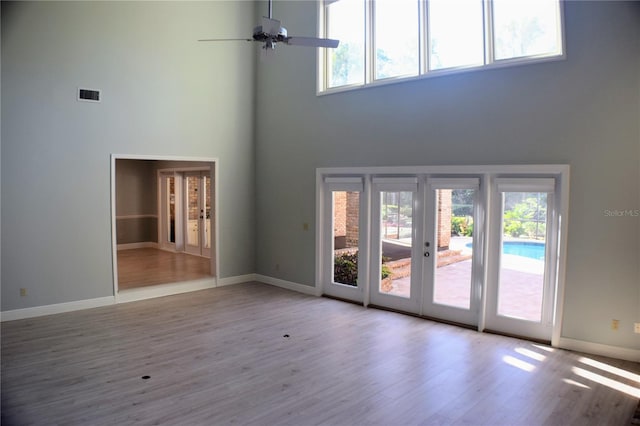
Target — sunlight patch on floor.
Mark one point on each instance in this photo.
(613, 384)
(518, 363)
(531, 354)
(574, 383)
(610, 369)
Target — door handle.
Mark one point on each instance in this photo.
(427, 254)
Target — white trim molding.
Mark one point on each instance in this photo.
(58, 308)
(239, 279)
(136, 216)
(599, 349)
(169, 289)
(131, 246)
(288, 285)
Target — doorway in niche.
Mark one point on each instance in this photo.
(154, 217)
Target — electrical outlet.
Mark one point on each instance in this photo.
(636, 327)
(615, 324)
(23, 292)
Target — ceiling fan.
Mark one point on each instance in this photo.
(270, 33)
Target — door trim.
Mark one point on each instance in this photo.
(215, 258)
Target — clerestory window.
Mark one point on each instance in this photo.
(390, 40)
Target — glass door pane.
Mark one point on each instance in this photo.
(346, 237)
(396, 239)
(206, 188)
(522, 255)
(193, 212)
(171, 208)
(454, 237)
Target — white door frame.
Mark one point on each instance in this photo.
(199, 249)
(164, 244)
(487, 174)
(215, 243)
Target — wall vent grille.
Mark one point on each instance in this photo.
(89, 95)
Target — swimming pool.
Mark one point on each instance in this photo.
(528, 249)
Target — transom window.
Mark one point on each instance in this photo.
(390, 40)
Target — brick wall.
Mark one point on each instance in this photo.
(339, 214)
(444, 218)
(353, 219)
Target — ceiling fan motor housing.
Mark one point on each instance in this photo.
(260, 35)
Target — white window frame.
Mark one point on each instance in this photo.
(424, 43)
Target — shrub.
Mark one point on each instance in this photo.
(513, 227)
(462, 225)
(345, 269)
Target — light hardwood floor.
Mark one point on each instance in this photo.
(220, 356)
(148, 266)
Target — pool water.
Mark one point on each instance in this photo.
(531, 250)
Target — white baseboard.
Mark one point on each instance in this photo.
(58, 308)
(600, 349)
(238, 279)
(289, 285)
(130, 246)
(142, 293)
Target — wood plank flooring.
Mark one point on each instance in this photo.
(221, 356)
(148, 266)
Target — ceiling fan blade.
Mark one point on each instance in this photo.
(270, 26)
(312, 41)
(225, 39)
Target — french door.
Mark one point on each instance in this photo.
(522, 275)
(345, 244)
(185, 212)
(415, 264)
(197, 190)
(453, 272)
(396, 256)
(476, 249)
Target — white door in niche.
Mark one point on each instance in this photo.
(197, 213)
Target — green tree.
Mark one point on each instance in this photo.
(347, 64)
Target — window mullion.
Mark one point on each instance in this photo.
(425, 41)
(369, 42)
(489, 52)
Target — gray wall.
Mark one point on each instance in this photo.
(163, 94)
(136, 196)
(584, 111)
(136, 187)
